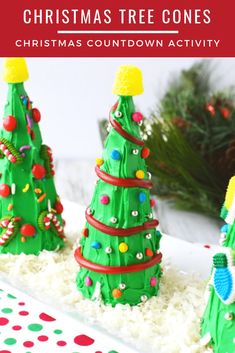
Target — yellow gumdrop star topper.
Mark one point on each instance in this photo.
(15, 70)
(230, 193)
(128, 81)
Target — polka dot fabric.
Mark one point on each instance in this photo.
(27, 327)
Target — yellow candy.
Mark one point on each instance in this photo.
(230, 193)
(26, 188)
(99, 161)
(128, 81)
(10, 207)
(123, 247)
(139, 174)
(15, 70)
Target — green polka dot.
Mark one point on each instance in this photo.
(10, 341)
(11, 296)
(7, 310)
(58, 332)
(35, 327)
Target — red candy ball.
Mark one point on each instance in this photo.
(152, 202)
(145, 152)
(5, 190)
(36, 115)
(59, 207)
(28, 230)
(9, 123)
(137, 117)
(104, 199)
(38, 171)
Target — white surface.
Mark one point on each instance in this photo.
(148, 327)
(73, 93)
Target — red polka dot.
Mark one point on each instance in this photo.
(207, 246)
(21, 303)
(16, 327)
(98, 352)
(23, 313)
(3, 321)
(42, 338)
(46, 317)
(83, 340)
(5, 352)
(28, 344)
(61, 343)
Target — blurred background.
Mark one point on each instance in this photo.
(189, 126)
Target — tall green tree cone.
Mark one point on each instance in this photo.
(218, 322)
(30, 209)
(119, 249)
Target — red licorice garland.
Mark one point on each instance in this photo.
(120, 232)
(124, 133)
(111, 270)
(126, 182)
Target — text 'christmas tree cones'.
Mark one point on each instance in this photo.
(119, 248)
(30, 209)
(218, 322)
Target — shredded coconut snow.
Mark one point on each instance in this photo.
(169, 323)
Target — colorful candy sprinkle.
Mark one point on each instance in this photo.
(95, 245)
(26, 188)
(104, 199)
(123, 247)
(142, 197)
(42, 197)
(139, 174)
(137, 117)
(115, 154)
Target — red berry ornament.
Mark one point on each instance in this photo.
(5, 190)
(38, 171)
(9, 123)
(145, 152)
(59, 207)
(36, 115)
(226, 113)
(28, 230)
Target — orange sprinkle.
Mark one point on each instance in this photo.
(38, 191)
(42, 197)
(10, 207)
(116, 293)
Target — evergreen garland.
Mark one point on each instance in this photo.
(193, 143)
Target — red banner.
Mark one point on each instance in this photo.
(123, 28)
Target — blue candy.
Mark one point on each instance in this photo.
(95, 245)
(142, 197)
(115, 154)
